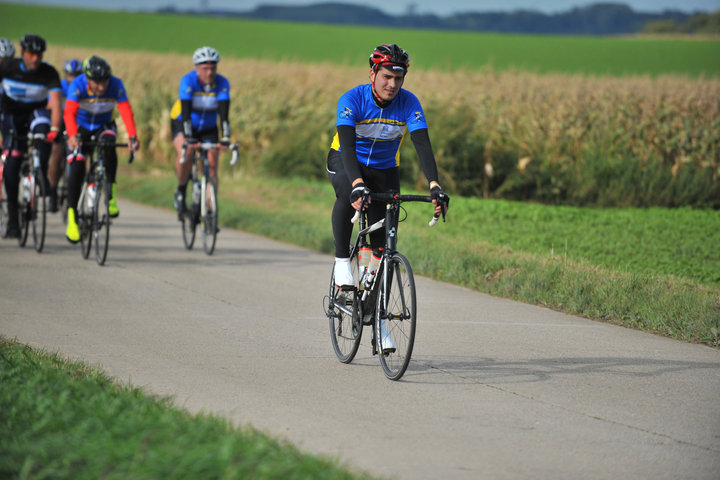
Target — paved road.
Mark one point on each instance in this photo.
(497, 389)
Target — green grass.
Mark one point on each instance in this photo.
(623, 266)
(348, 45)
(66, 420)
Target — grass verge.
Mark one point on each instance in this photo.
(640, 295)
(65, 420)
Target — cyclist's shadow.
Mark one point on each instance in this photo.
(488, 371)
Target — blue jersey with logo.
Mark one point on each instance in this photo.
(96, 110)
(379, 131)
(204, 100)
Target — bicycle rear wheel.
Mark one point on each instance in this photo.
(209, 216)
(397, 310)
(189, 220)
(101, 221)
(84, 220)
(38, 211)
(4, 216)
(345, 326)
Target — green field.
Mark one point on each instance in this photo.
(348, 45)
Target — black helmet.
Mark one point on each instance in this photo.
(96, 69)
(32, 43)
(391, 56)
(73, 67)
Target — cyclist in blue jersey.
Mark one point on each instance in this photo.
(372, 121)
(71, 69)
(89, 111)
(203, 98)
(30, 103)
(7, 51)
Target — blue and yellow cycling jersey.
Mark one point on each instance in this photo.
(204, 100)
(379, 131)
(96, 110)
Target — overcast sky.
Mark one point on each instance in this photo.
(437, 7)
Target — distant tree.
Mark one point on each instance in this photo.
(703, 23)
(661, 26)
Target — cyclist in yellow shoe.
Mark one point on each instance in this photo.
(89, 111)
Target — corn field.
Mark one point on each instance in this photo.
(559, 139)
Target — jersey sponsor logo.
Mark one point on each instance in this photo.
(347, 113)
(418, 117)
(24, 92)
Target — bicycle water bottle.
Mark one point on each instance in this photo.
(372, 269)
(197, 191)
(91, 192)
(363, 260)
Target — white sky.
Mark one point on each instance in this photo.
(437, 7)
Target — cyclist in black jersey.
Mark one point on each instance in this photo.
(7, 51)
(30, 87)
(372, 121)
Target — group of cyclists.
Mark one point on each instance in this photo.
(372, 120)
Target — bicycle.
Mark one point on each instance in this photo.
(204, 209)
(32, 199)
(93, 212)
(385, 301)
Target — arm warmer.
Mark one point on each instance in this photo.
(70, 117)
(128, 118)
(346, 136)
(421, 140)
(223, 112)
(186, 112)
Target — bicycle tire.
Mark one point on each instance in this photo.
(84, 220)
(345, 330)
(400, 316)
(4, 215)
(38, 211)
(209, 216)
(102, 221)
(23, 211)
(188, 223)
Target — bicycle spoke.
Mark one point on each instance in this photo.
(101, 222)
(342, 310)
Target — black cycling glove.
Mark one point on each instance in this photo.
(359, 191)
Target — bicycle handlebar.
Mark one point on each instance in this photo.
(399, 198)
(96, 143)
(207, 146)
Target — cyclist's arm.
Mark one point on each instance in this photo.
(186, 112)
(348, 154)
(54, 104)
(424, 150)
(128, 118)
(224, 114)
(70, 117)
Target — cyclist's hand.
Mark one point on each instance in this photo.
(134, 144)
(224, 143)
(440, 199)
(73, 142)
(51, 136)
(358, 192)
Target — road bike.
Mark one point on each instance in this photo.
(32, 195)
(384, 300)
(93, 211)
(204, 208)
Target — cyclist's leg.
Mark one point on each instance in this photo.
(108, 134)
(342, 213)
(40, 123)
(14, 148)
(182, 170)
(76, 177)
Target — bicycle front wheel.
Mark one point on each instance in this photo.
(209, 216)
(84, 220)
(38, 211)
(345, 326)
(24, 208)
(396, 317)
(101, 222)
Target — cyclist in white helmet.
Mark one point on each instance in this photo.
(203, 98)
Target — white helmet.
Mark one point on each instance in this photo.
(7, 48)
(205, 54)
